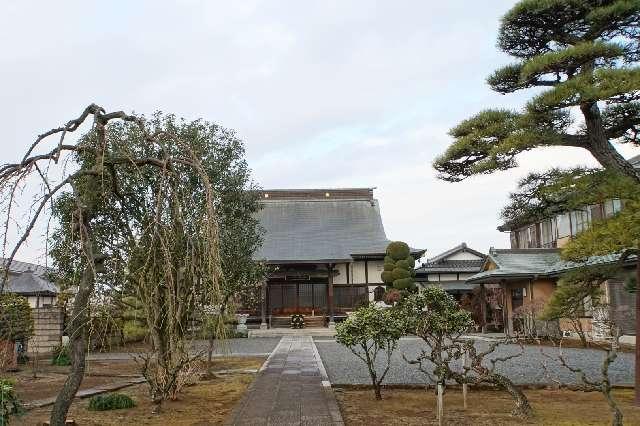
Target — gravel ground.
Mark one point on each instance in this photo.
(236, 347)
(345, 368)
(257, 346)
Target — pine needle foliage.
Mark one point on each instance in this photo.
(582, 56)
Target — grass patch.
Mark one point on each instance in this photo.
(111, 401)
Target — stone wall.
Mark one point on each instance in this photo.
(48, 324)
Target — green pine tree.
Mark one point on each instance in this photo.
(584, 55)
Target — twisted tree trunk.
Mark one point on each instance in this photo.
(77, 329)
(600, 146)
(522, 409)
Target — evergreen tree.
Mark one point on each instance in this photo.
(585, 54)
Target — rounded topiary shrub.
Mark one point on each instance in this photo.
(398, 250)
(398, 267)
(111, 401)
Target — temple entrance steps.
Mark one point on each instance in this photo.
(289, 332)
(309, 321)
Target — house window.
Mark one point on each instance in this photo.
(612, 207)
(580, 220)
(378, 294)
(564, 225)
(523, 238)
(547, 234)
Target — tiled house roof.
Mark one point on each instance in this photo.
(28, 283)
(525, 263)
(28, 279)
(442, 264)
(320, 225)
(17, 267)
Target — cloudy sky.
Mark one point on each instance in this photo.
(324, 94)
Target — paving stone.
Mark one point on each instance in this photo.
(289, 390)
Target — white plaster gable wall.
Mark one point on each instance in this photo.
(463, 255)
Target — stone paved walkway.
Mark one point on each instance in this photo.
(289, 389)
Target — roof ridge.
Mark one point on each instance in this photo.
(460, 247)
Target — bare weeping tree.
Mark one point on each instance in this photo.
(89, 173)
(600, 383)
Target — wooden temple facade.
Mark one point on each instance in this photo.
(326, 250)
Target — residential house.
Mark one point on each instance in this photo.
(451, 269)
(529, 271)
(528, 278)
(556, 231)
(30, 281)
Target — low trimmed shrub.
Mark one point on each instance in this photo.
(134, 332)
(110, 401)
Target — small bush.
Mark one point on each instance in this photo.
(133, 332)
(9, 403)
(111, 401)
(61, 356)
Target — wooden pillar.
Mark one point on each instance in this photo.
(263, 323)
(506, 305)
(483, 309)
(332, 323)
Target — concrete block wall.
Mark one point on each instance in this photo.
(48, 326)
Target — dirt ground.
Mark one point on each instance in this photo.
(49, 378)
(206, 402)
(486, 407)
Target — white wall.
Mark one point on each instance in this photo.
(463, 255)
(44, 300)
(357, 272)
(375, 270)
(448, 277)
(341, 278)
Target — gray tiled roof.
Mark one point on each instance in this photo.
(320, 230)
(451, 266)
(440, 263)
(447, 285)
(462, 247)
(18, 266)
(27, 278)
(30, 283)
(514, 263)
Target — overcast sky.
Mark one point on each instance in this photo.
(324, 94)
